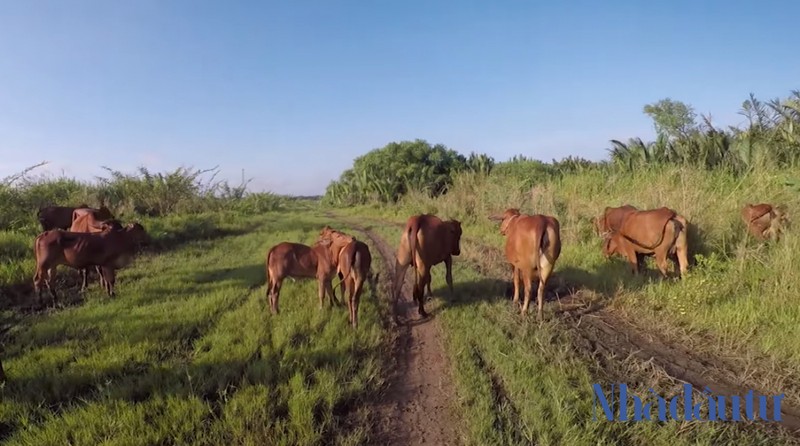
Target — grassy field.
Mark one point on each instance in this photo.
(523, 383)
(189, 354)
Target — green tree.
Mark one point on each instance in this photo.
(673, 119)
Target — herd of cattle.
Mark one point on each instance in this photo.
(85, 237)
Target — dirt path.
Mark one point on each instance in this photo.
(605, 335)
(417, 406)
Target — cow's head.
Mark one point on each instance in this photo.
(609, 244)
(110, 225)
(506, 219)
(138, 234)
(454, 227)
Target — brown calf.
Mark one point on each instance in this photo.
(533, 244)
(661, 232)
(110, 249)
(287, 259)
(426, 242)
(90, 220)
(353, 264)
(764, 221)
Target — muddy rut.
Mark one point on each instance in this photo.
(416, 408)
(603, 333)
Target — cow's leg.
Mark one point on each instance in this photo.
(516, 278)
(274, 294)
(400, 267)
(527, 279)
(109, 276)
(99, 270)
(448, 263)
(424, 277)
(682, 250)
(545, 269)
(632, 260)
(84, 278)
(329, 290)
(358, 288)
(321, 292)
(661, 262)
(49, 282)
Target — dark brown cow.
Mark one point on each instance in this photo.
(92, 221)
(426, 242)
(353, 264)
(661, 232)
(57, 217)
(764, 221)
(288, 259)
(533, 244)
(111, 249)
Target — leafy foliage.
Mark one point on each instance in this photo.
(770, 139)
(387, 173)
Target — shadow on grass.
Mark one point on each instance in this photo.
(249, 275)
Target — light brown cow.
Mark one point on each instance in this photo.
(533, 244)
(100, 214)
(764, 221)
(426, 242)
(92, 221)
(110, 249)
(353, 264)
(661, 232)
(289, 259)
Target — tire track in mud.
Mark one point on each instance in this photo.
(601, 329)
(416, 408)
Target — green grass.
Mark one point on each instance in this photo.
(522, 383)
(189, 354)
(740, 299)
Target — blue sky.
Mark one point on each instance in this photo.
(293, 91)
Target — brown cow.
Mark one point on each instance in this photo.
(99, 214)
(426, 242)
(661, 232)
(57, 217)
(110, 249)
(90, 220)
(763, 220)
(288, 259)
(611, 220)
(533, 244)
(353, 264)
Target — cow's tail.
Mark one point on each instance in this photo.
(348, 259)
(269, 278)
(411, 233)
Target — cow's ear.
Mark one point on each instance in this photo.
(496, 217)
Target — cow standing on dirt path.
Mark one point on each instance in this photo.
(763, 220)
(353, 263)
(661, 232)
(426, 242)
(533, 244)
(289, 259)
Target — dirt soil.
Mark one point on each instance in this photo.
(417, 407)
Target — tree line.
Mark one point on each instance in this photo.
(769, 139)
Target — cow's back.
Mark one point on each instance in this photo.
(647, 226)
(613, 217)
(294, 259)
